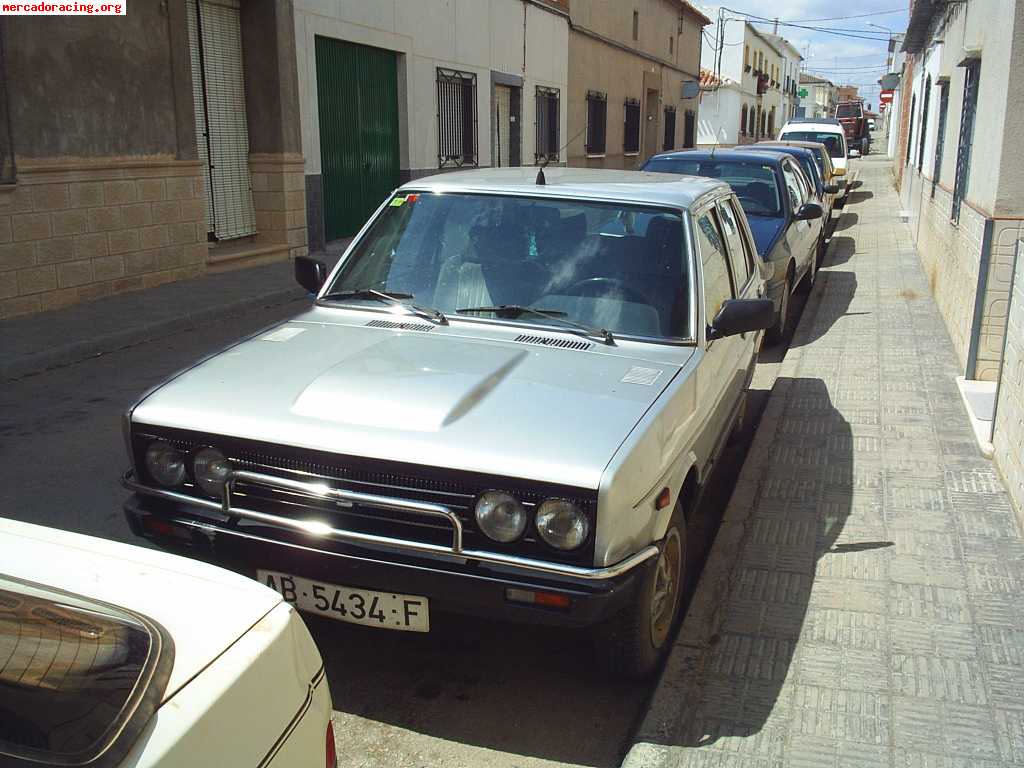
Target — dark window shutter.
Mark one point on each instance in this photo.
(670, 128)
(963, 154)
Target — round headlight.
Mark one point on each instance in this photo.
(562, 524)
(500, 516)
(210, 469)
(165, 463)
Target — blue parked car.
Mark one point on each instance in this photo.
(781, 207)
(823, 190)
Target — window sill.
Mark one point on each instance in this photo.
(595, 157)
(631, 154)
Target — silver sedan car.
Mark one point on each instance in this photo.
(504, 401)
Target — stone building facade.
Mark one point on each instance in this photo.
(628, 63)
(108, 183)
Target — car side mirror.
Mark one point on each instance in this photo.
(742, 316)
(808, 211)
(310, 273)
(838, 171)
(831, 189)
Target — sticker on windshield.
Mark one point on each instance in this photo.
(397, 201)
(283, 334)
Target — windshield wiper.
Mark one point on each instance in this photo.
(393, 298)
(515, 310)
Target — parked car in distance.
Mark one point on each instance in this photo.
(871, 123)
(781, 210)
(822, 131)
(850, 115)
(122, 656)
(824, 193)
(504, 402)
(822, 158)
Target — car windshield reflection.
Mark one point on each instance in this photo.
(600, 266)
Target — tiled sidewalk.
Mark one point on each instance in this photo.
(864, 601)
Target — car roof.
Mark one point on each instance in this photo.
(814, 121)
(671, 189)
(736, 154)
(814, 146)
(788, 149)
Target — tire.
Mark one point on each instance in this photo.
(634, 642)
(819, 257)
(777, 332)
(812, 272)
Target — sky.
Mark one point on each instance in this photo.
(856, 57)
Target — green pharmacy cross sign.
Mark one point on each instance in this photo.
(803, 93)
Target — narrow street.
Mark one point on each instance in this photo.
(462, 695)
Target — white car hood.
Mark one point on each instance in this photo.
(454, 398)
(204, 608)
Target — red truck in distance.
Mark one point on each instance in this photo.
(850, 115)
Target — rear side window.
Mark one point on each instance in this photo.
(793, 185)
(739, 253)
(717, 286)
(79, 679)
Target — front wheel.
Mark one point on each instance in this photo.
(633, 643)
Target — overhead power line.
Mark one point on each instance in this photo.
(843, 18)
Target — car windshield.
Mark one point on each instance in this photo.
(754, 183)
(623, 268)
(831, 140)
(848, 110)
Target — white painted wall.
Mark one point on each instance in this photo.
(478, 36)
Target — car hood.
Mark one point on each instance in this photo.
(204, 609)
(766, 231)
(466, 396)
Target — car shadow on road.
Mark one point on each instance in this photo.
(803, 519)
(840, 250)
(837, 292)
(847, 220)
(859, 196)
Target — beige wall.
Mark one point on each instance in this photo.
(609, 65)
(78, 231)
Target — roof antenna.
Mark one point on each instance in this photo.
(541, 181)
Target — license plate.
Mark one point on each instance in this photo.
(386, 610)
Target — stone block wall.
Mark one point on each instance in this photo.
(279, 197)
(79, 231)
(1008, 429)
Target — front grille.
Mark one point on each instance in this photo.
(454, 489)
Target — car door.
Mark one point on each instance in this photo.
(745, 275)
(718, 383)
(798, 233)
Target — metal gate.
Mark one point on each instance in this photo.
(222, 135)
(357, 95)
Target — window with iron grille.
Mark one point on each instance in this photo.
(631, 130)
(963, 154)
(689, 129)
(7, 170)
(923, 136)
(940, 134)
(456, 118)
(670, 128)
(597, 118)
(547, 125)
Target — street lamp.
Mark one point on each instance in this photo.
(888, 47)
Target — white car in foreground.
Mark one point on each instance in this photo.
(114, 655)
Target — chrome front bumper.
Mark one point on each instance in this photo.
(320, 529)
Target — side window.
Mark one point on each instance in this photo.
(715, 268)
(793, 186)
(739, 252)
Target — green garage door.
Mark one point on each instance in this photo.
(357, 91)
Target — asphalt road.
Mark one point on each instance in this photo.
(468, 693)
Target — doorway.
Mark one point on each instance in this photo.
(506, 122)
(651, 122)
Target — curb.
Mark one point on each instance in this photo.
(76, 351)
(679, 683)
